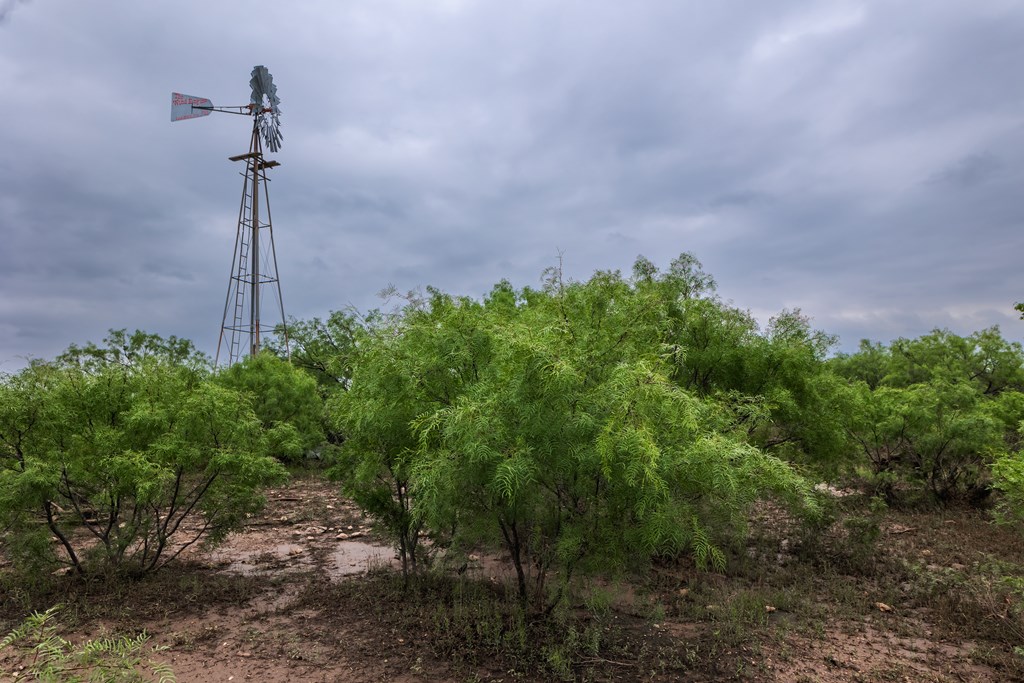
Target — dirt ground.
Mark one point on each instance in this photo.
(308, 592)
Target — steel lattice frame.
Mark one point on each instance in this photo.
(254, 264)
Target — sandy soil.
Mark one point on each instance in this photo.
(262, 607)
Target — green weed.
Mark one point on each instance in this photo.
(50, 657)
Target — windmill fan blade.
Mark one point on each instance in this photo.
(262, 84)
(256, 83)
(271, 131)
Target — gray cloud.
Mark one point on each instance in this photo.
(7, 8)
(970, 171)
(856, 159)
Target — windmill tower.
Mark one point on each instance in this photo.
(254, 276)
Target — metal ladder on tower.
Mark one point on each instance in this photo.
(240, 268)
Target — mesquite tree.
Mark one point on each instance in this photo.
(111, 449)
(408, 365)
(935, 412)
(546, 422)
(285, 399)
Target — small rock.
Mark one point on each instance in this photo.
(356, 534)
(341, 537)
(882, 607)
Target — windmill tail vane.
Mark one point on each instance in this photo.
(254, 264)
(189, 106)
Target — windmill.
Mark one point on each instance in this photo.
(254, 264)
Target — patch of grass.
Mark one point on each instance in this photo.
(171, 590)
(985, 600)
(476, 623)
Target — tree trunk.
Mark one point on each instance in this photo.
(515, 549)
(48, 507)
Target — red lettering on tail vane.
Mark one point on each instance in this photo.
(184, 106)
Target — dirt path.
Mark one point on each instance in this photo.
(293, 597)
(305, 535)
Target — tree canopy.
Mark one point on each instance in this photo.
(550, 422)
(124, 441)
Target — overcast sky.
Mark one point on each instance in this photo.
(859, 160)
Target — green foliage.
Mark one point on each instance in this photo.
(123, 443)
(285, 400)
(326, 349)
(129, 350)
(934, 412)
(870, 364)
(939, 433)
(987, 361)
(783, 395)
(862, 534)
(1008, 475)
(548, 422)
(392, 386)
(52, 658)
